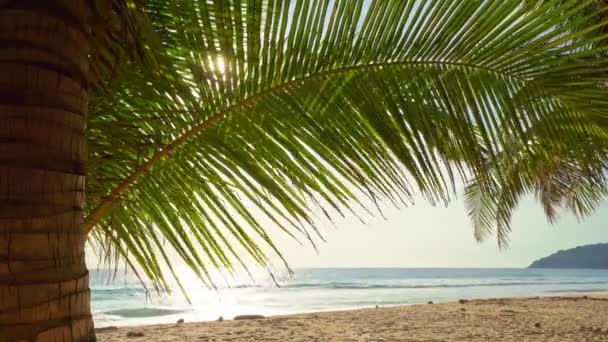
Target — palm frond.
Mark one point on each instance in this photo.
(121, 35)
(563, 174)
(263, 111)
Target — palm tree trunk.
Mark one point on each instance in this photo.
(44, 291)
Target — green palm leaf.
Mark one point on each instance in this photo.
(569, 174)
(260, 112)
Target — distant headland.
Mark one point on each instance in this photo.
(589, 256)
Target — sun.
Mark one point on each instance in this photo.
(217, 64)
(220, 66)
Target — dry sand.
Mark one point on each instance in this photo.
(566, 318)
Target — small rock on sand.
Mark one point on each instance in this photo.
(135, 334)
(180, 321)
(429, 302)
(244, 317)
(462, 301)
(537, 325)
(104, 329)
(220, 319)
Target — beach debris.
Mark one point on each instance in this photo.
(244, 317)
(135, 334)
(585, 297)
(104, 329)
(537, 325)
(463, 309)
(180, 321)
(377, 306)
(430, 302)
(220, 319)
(462, 301)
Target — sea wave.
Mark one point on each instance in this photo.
(365, 286)
(117, 289)
(142, 312)
(576, 290)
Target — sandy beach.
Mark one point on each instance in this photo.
(563, 318)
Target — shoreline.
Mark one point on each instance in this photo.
(564, 317)
(178, 313)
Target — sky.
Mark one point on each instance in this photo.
(436, 236)
(427, 236)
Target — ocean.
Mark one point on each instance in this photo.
(123, 301)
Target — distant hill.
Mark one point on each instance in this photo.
(590, 256)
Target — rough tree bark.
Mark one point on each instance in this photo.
(44, 291)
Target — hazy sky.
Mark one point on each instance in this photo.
(427, 236)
